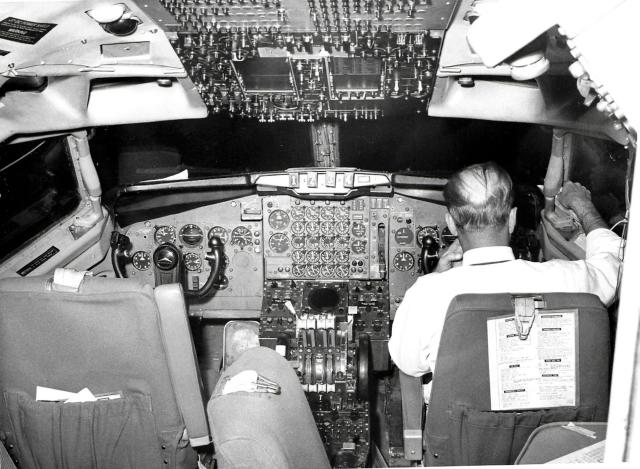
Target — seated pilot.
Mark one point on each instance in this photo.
(479, 200)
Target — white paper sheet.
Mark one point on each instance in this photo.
(590, 454)
(538, 372)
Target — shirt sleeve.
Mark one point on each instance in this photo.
(603, 262)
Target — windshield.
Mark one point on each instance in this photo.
(221, 146)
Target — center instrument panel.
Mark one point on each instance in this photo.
(325, 278)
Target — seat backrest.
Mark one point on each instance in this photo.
(115, 337)
(462, 427)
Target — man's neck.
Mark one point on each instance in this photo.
(483, 239)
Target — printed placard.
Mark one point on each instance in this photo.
(26, 32)
(538, 372)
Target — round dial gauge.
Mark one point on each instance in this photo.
(404, 261)
(298, 270)
(342, 242)
(191, 234)
(313, 242)
(297, 227)
(313, 227)
(326, 227)
(297, 213)
(342, 227)
(141, 260)
(279, 220)
(326, 213)
(241, 236)
(220, 232)
(427, 231)
(359, 230)
(327, 270)
(165, 234)
(313, 257)
(358, 246)
(192, 262)
(342, 271)
(297, 242)
(326, 242)
(326, 256)
(313, 270)
(298, 257)
(279, 243)
(312, 213)
(342, 257)
(342, 213)
(404, 236)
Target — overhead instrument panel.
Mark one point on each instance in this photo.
(306, 60)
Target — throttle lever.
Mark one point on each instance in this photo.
(120, 253)
(429, 254)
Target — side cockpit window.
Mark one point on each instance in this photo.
(37, 188)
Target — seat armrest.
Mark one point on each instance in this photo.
(182, 362)
(412, 412)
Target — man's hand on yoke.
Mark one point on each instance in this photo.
(578, 198)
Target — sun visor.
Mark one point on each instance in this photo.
(564, 64)
(75, 64)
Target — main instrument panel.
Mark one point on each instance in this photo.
(308, 60)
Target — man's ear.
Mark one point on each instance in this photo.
(450, 223)
(512, 219)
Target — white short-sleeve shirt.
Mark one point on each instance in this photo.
(419, 320)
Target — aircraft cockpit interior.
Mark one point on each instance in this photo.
(212, 212)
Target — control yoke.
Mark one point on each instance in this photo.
(167, 263)
(214, 257)
(429, 254)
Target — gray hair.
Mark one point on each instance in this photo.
(479, 196)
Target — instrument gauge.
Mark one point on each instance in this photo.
(342, 213)
(192, 262)
(165, 234)
(327, 270)
(326, 227)
(220, 232)
(279, 243)
(313, 227)
(313, 270)
(427, 231)
(358, 246)
(358, 230)
(298, 270)
(404, 236)
(342, 227)
(279, 220)
(241, 236)
(313, 242)
(342, 242)
(297, 242)
(191, 235)
(326, 213)
(297, 227)
(342, 271)
(297, 213)
(342, 257)
(326, 242)
(141, 260)
(313, 257)
(326, 256)
(312, 213)
(298, 257)
(404, 261)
